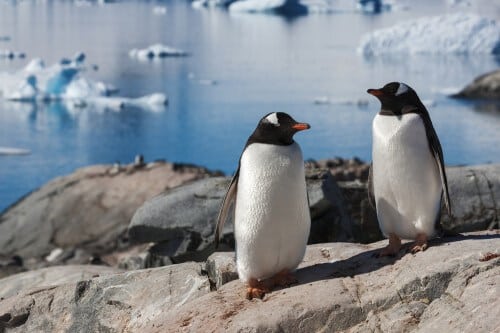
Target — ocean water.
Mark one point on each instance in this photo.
(261, 63)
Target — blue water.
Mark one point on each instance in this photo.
(262, 63)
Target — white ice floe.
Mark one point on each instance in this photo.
(447, 34)
(13, 151)
(160, 10)
(252, 6)
(64, 81)
(156, 51)
(211, 3)
(9, 54)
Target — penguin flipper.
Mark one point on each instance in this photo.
(228, 200)
(437, 152)
(371, 193)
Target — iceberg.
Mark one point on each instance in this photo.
(447, 34)
(286, 7)
(65, 82)
(156, 51)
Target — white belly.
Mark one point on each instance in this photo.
(406, 178)
(272, 219)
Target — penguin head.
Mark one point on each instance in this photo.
(394, 96)
(277, 128)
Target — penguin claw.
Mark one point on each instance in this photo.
(253, 292)
(420, 244)
(418, 248)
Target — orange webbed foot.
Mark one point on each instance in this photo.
(420, 244)
(257, 289)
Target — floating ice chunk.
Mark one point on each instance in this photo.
(211, 3)
(34, 65)
(159, 10)
(156, 51)
(14, 151)
(26, 91)
(12, 54)
(256, 5)
(153, 102)
(455, 33)
(64, 81)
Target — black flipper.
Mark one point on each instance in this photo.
(229, 199)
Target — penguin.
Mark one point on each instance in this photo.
(407, 178)
(271, 208)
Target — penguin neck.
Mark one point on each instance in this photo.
(260, 137)
(398, 111)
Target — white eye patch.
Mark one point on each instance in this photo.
(273, 119)
(402, 89)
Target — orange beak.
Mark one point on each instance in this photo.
(375, 92)
(301, 126)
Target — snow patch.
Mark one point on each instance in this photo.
(454, 33)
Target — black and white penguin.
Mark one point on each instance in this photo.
(407, 179)
(271, 214)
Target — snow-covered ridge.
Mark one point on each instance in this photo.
(447, 34)
(156, 51)
(65, 81)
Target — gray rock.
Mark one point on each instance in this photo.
(51, 276)
(183, 220)
(451, 287)
(343, 288)
(90, 208)
(221, 268)
(486, 86)
(475, 198)
(125, 302)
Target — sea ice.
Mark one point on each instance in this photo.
(64, 82)
(286, 7)
(453, 33)
(156, 51)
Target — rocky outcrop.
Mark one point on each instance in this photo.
(451, 287)
(486, 86)
(51, 276)
(89, 209)
(113, 303)
(182, 221)
(475, 198)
